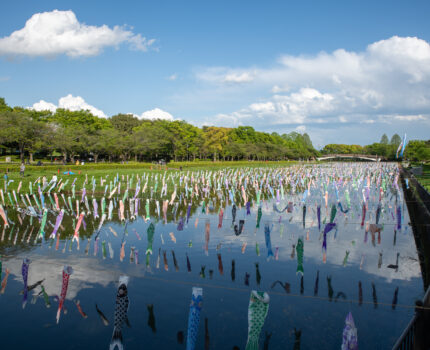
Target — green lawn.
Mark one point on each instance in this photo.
(425, 178)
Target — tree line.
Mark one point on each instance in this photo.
(82, 135)
(416, 150)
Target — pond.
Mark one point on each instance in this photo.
(314, 271)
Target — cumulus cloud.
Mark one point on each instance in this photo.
(388, 82)
(77, 103)
(296, 108)
(70, 102)
(42, 105)
(156, 113)
(172, 77)
(59, 32)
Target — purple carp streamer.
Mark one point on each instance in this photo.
(349, 337)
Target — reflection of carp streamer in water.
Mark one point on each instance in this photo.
(359, 188)
(299, 249)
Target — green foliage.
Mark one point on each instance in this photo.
(80, 134)
(417, 150)
(396, 140)
(78, 119)
(124, 122)
(3, 106)
(20, 130)
(384, 139)
(342, 149)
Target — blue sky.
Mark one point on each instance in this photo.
(342, 71)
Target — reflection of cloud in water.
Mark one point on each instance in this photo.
(86, 272)
(348, 230)
(91, 271)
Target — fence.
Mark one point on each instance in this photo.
(416, 335)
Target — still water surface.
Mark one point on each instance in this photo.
(302, 312)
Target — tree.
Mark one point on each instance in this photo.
(150, 139)
(20, 129)
(69, 141)
(395, 140)
(107, 143)
(215, 139)
(81, 133)
(125, 122)
(384, 139)
(417, 150)
(307, 141)
(49, 138)
(80, 119)
(184, 138)
(3, 106)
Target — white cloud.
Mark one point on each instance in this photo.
(86, 272)
(409, 118)
(77, 103)
(277, 89)
(266, 107)
(297, 108)
(172, 77)
(70, 102)
(156, 113)
(387, 82)
(44, 106)
(236, 78)
(59, 32)
(226, 76)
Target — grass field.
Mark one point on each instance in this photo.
(425, 178)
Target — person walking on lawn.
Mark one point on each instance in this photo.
(22, 169)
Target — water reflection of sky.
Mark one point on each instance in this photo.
(225, 302)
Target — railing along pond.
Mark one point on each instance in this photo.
(414, 336)
(417, 335)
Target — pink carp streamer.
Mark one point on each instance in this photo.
(67, 271)
(78, 225)
(207, 236)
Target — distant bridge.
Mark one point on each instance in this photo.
(350, 156)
